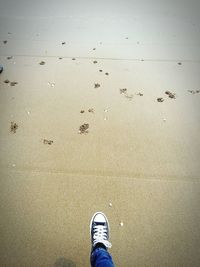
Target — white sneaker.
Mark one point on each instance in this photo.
(99, 230)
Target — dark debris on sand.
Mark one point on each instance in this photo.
(170, 94)
(83, 129)
(91, 110)
(124, 92)
(160, 99)
(42, 63)
(194, 91)
(13, 127)
(47, 142)
(140, 94)
(13, 83)
(97, 85)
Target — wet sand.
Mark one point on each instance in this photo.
(82, 130)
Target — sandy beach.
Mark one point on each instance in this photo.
(99, 110)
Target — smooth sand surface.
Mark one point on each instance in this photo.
(139, 159)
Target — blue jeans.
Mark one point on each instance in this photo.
(101, 258)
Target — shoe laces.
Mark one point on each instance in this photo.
(101, 236)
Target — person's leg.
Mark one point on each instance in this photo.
(101, 258)
(99, 232)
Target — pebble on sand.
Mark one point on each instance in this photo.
(121, 224)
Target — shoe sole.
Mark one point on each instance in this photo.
(99, 212)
